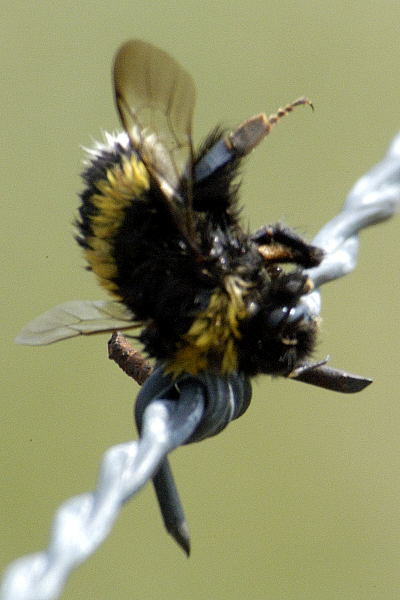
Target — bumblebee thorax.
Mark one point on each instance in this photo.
(210, 343)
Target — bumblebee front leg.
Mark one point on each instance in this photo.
(279, 244)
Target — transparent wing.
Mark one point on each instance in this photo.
(155, 98)
(77, 317)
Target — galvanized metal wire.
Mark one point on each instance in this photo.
(374, 198)
(82, 522)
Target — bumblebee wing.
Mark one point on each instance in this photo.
(155, 98)
(77, 317)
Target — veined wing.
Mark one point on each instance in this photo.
(155, 98)
(77, 317)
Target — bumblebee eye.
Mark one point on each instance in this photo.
(277, 316)
(288, 315)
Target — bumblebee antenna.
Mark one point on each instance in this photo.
(243, 139)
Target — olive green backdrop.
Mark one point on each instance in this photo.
(299, 499)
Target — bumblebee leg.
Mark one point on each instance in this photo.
(321, 375)
(277, 243)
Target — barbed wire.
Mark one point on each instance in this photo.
(169, 417)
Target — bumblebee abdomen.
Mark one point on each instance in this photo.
(115, 179)
(133, 247)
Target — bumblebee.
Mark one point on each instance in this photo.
(159, 225)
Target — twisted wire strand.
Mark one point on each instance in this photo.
(82, 522)
(374, 198)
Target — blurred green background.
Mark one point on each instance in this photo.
(299, 499)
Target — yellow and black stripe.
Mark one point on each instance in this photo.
(113, 194)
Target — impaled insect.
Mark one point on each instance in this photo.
(159, 226)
